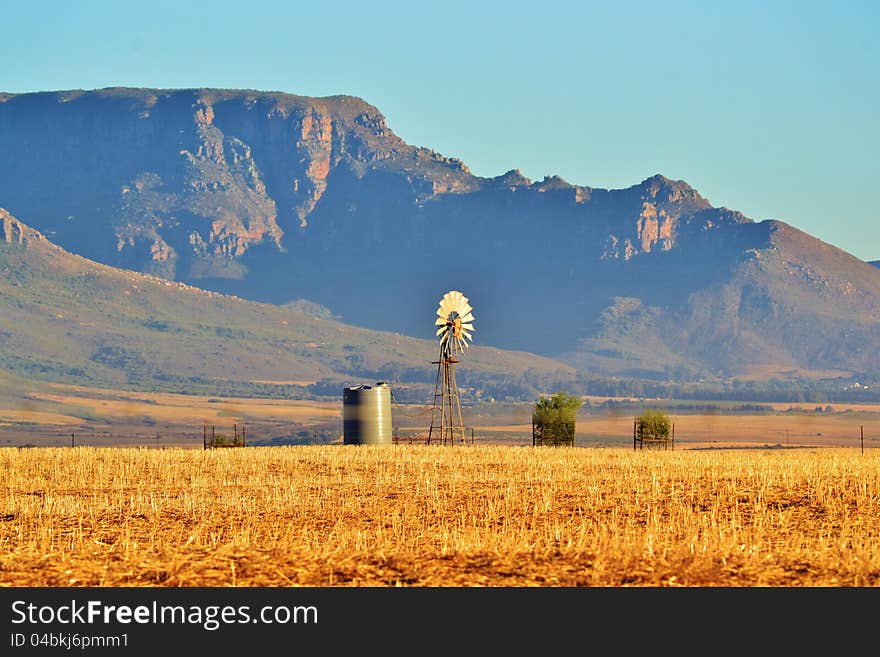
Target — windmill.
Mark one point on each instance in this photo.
(454, 328)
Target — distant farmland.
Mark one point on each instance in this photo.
(47, 415)
(483, 515)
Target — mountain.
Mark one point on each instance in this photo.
(65, 318)
(280, 198)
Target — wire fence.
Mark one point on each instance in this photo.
(689, 434)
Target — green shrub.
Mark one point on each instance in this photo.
(553, 419)
(653, 423)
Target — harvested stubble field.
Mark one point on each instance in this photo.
(439, 516)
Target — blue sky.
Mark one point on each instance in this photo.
(770, 108)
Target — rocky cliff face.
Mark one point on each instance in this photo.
(276, 197)
(184, 183)
(15, 232)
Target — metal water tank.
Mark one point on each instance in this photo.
(366, 415)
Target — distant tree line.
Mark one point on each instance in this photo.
(416, 384)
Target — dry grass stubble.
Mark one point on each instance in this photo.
(438, 516)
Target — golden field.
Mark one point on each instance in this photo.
(418, 515)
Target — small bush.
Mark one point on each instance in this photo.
(653, 424)
(554, 419)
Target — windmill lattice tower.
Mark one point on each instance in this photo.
(455, 327)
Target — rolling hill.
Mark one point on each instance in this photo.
(65, 318)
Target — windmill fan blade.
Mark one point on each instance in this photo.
(457, 304)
